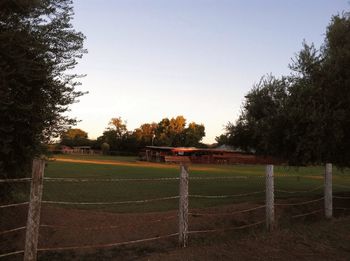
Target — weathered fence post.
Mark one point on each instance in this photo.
(183, 206)
(33, 219)
(270, 200)
(328, 197)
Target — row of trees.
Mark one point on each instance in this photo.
(168, 132)
(304, 117)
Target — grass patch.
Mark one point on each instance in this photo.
(246, 179)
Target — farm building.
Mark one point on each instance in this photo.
(201, 155)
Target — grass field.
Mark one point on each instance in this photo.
(246, 179)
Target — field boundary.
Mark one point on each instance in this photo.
(33, 222)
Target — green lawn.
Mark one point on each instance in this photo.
(96, 157)
(246, 179)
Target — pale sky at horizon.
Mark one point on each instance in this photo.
(151, 59)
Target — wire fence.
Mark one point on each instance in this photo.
(217, 204)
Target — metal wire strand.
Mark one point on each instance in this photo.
(108, 245)
(299, 191)
(15, 180)
(14, 205)
(299, 203)
(12, 230)
(102, 227)
(227, 196)
(227, 214)
(12, 253)
(307, 214)
(225, 229)
(110, 203)
(103, 180)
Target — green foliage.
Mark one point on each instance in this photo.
(174, 132)
(37, 47)
(75, 137)
(168, 132)
(303, 118)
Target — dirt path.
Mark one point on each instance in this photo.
(138, 164)
(306, 239)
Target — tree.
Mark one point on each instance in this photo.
(193, 134)
(303, 118)
(259, 127)
(38, 45)
(117, 125)
(118, 136)
(75, 137)
(170, 132)
(145, 134)
(75, 133)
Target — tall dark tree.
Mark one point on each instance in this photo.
(304, 117)
(38, 47)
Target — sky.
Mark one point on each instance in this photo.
(151, 59)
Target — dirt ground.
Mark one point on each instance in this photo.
(306, 238)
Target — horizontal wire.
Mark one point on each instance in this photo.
(226, 214)
(300, 191)
(12, 253)
(12, 230)
(108, 245)
(341, 186)
(15, 180)
(342, 208)
(104, 180)
(109, 203)
(307, 214)
(225, 229)
(299, 203)
(341, 197)
(101, 227)
(211, 178)
(14, 205)
(226, 196)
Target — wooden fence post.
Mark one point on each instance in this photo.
(33, 219)
(328, 197)
(270, 200)
(183, 206)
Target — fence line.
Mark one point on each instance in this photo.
(299, 203)
(307, 214)
(108, 245)
(341, 186)
(104, 180)
(225, 178)
(14, 204)
(226, 196)
(183, 206)
(227, 214)
(103, 227)
(299, 191)
(341, 197)
(110, 203)
(12, 253)
(12, 230)
(15, 180)
(225, 229)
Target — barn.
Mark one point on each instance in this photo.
(201, 155)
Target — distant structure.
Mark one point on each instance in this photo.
(199, 155)
(85, 150)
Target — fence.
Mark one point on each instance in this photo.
(185, 216)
